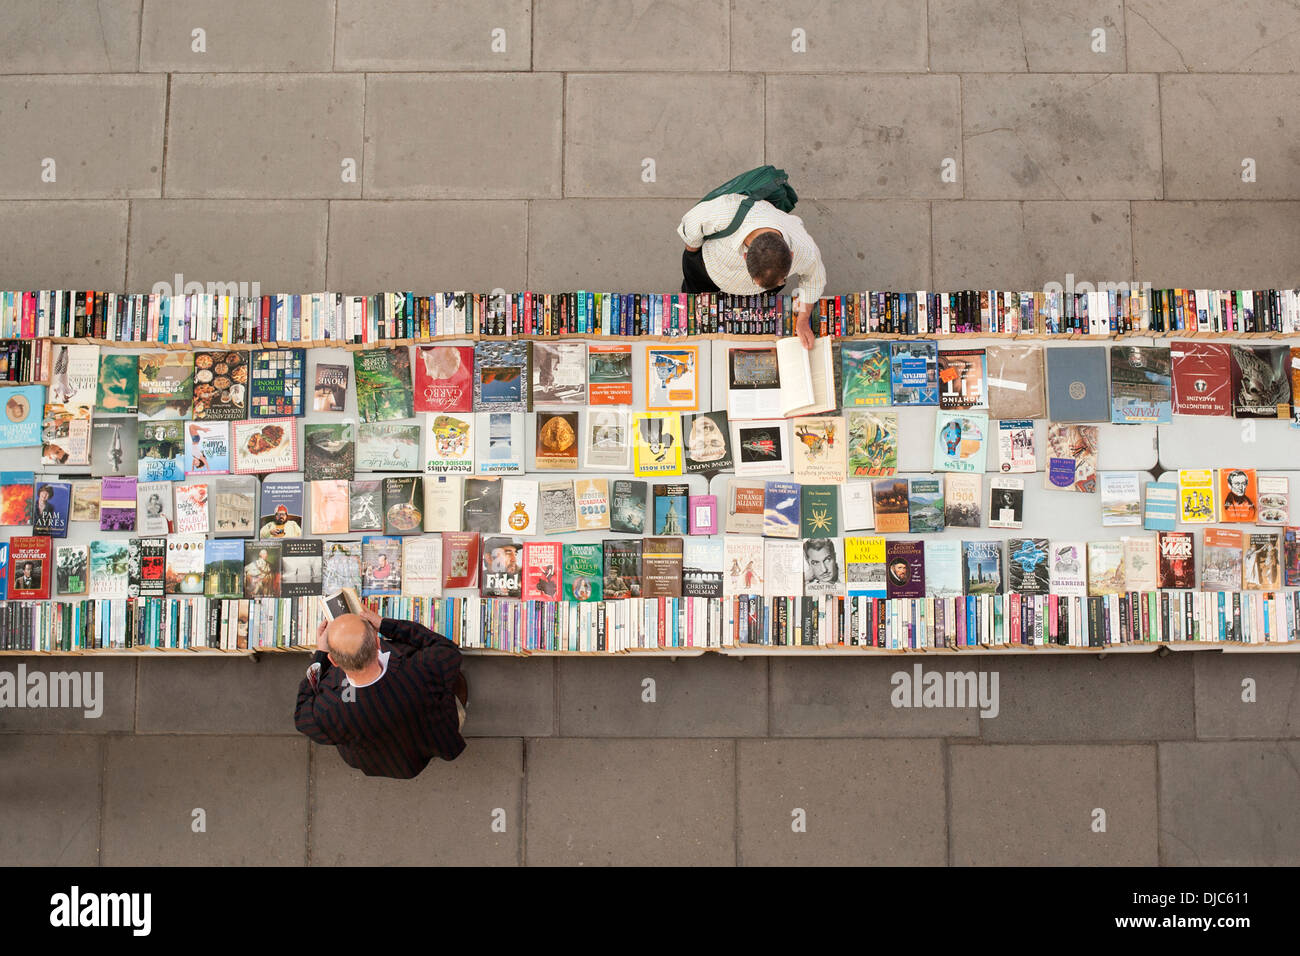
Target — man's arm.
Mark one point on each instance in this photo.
(807, 264)
(313, 702)
(705, 218)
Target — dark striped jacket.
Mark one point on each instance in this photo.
(394, 727)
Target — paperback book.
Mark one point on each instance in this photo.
(961, 441)
(558, 507)
(1006, 502)
(281, 510)
(760, 448)
(502, 574)
(114, 446)
(331, 390)
(1016, 452)
(1072, 457)
(1120, 499)
(160, 450)
(583, 575)
(609, 375)
(560, 373)
(387, 447)
(449, 444)
(207, 448)
(499, 443)
(278, 383)
(707, 448)
(672, 378)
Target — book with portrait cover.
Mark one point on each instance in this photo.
(502, 373)
(891, 504)
(234, 505)
(116, 504)
(961, 379)
(460, 559)
(1261, 563)
(584, 572)
(1069, 574)
(365, 505)
(331, 391)
(661, 567)
(622, 568)
(384, 390)
(543, 571)
(1072, 457)
(502, 567)
(609, 374)
(913, 369)
(670, 508)
(982, 567)
(557, 441)
(499, 443)
(1016, 446)
(482, 505)
(383, 446)
(706, 443)
(559, 373)
(192, 508)
(281, 510)
(114, 446)
(627, 509)
(1141, 384)
(1261, 381)
(1221, 560)
(558, 507)
(403, 501)
(223, 573)
(444, 379)
(448, 444)
(24, 409)
(422, 566)
(702, 563)
(1027, 565)
(925, 506)
(301, 567)
(329, 450)
(961, 441)
(160, 450)
(220, 386)
(118, 389)
(278, 383)
(53, 509)
(872, 444)
(183, 573)
(381, 564)
(207, 448)
(1202, 378)
(1006, 502)
(865, 374)
(341, 567)
(1238, 495)
(166, 385)
(262, 569)
(742, 565)
(30, 568)
(823, 566)
(819, 511)
(962, 500)
(1015, 381)
(864, 561)
(904, 568)
(155, 512)
(1177, 559)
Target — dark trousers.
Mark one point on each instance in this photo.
(695, 278)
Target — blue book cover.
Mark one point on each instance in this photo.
(914, 372)
(161, 451)
(1161, 511)
(53, 506)
(20, 425)
(4, 571)
(781, 509)
(1077, 389)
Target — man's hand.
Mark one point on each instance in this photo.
(322, 642)
(371, 618)
(803, 326)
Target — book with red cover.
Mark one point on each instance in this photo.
(460, 559)
(444, 378)
(1202, 378)
(30, 567)
(1177, 560)
(543, 570)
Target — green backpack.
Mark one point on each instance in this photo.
(765, 182)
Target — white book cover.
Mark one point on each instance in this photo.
(742, 561)
(857, 507)
(519, 506)
(1067, 567)
(192, 508)
(1274, 499)
(607, 444)
(819, 450)
(760, 447)
(500, 443)
(1121, 499)
(782, 568)
(1016, 446)
(442, 502)
(1141, 563)
(448, 443)
(943, 568)
(422, 566)
(154, 512)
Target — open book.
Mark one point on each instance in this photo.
(807, 377)
(343, 601)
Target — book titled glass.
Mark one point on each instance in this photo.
(961, 441)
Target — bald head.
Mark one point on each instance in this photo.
(352, 642)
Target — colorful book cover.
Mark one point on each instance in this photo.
(53, 509)
(583, 575)
(183, 573)
(622, 569)
(702, 564)
(341, 567)
(160, 450)
(925, 505)
(914, 373)
(224, 568)
(387, 447)
(501, 377)
(116, 504)
(261, 447)
(18, 496)
(279, 382)
(1121, 498)
(234, 508)
(982, 567)
(281, 510)
(1177, 560)
(65, 440)
(519, 506)
(745, 506)
(301, 567)
(381, 565)
(627, 512)
(384, 390)
(166, 382)
(961, 441)
(1221, 560)
(192, 508)
(707, 448)
(220, 386)
(543, 571)
(819, 511)
(1261, 564)
(74, 381)
(559, 373)
(661, 567)
(820, 455)
(864, 559)
(499, 437)
(670, 508)
(1077, 387)
(1161, 508)
(656, 444)
(557, 441)
(1006, 502)
(1105, 568)
(444, 379)
(962, 500)
(482, 505)
(822, 566)
(865, 374)
(1196, 496)
(942, 568)
(114, 446)
(1072, 457)
(1274, 499)
(1261, 381)
(558, 507)
(873, 444)
(904, 569)
(85, 501)
(1027, 565)
(1015, 382)
(760, 447)
(890, 496)
(608, 442)
(609, 374)
(155, 512)
(403, 502)
(1069, 569)
(961, 379)
(146, 567)
(109, 569)
(1202, 378)
(118, 389)
(781, 509)
(330, 451)
(502, 574)
(24, 410)
(703, 514)
(672, 378)
(331, 391)
(742, 560)
(1239, 495)
(261, 570)
(1016, 446)
(207, 448)
(460, 559)
(1141, 384)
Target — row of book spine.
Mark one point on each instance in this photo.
(334, 318)
(25, 361)
(667, 623)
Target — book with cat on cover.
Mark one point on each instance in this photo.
(1015, 382)
(278, 388)
(1177, 559)
(622, 569)
(460, 559)
(584, 572)
(444, 379)
(331, 392)
(661, 567)
(982, 567)
(961, 379)
(1202, 378)
(1072, 457)
(30, 568)
(904, 568)
(384, 389)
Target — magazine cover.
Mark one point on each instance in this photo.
(1141, 384)
(961, 379)
(914, 372)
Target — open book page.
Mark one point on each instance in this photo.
(807, 377)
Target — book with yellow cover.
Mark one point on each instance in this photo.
(1196, 495)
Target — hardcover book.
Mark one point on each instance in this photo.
(519, 506)
(116, 504)
(301, 567)
(1072, 457)
(341, 567)
(557, 441)
(753, 384)
(558, 507)
(261, 570)
(24, 408)
(114, 446)
(502, 573)
(1239, 495)
(914, 373)
(1016, 446)
(499, 441)
(278, 383)
(183, 572)
(1105, 568)
(707, 448)
(208, 448)
(444, 379)
(873, 444)
(381, 565)
(1015, 382)
(702, 564)
(366, 505)
(891, 504)
(591, 499)
(622, 569)
(281, 510)
(265, 446)
(17, 497)
(670, 508)
(819, 450)
(661, 567)
(819, 511)
(1291, 554)
(154, 511)
(782, 568)
(1027, 565)
(961, 441)
(1196, 496)
(502, 371)
(656, 444)
(961, 379)
(330, 451)
(865, 374)
(1069, 571)
(1161, 510)
(864, 559)
(422, 566)
(109, 563)
(1274, 500)
(442, 502)
(1120, 499)
(822, 566)
(942, 568)
(460, 559)
(1202, 378)
(1077, 387)
(53, 509)
(1261, 564)
(924, 505)
(224, 568)
(559, 373)
(118, 389)
(64, 440)
(857, 511)
(781, 509)
(403, 498)
(1141, 563)
(160, 450)
(85, 501)
(220, 386)
(627, 510)
(1006, 502)
(331, 391)
(384, 390)
(1141, 384)
(74, 381)
(760, 447)
(386, 447)
(584, 572)
(608, 444)
(745, 506)
(742, 560)
(166, 383)
(904, 569)
(30, 560)
(1177, 560)
(703, 514)
(672, 378)
(962, 498)
(543, 571)
(449, 444)
(1261, 381)
(609, 375)
(234, 505)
